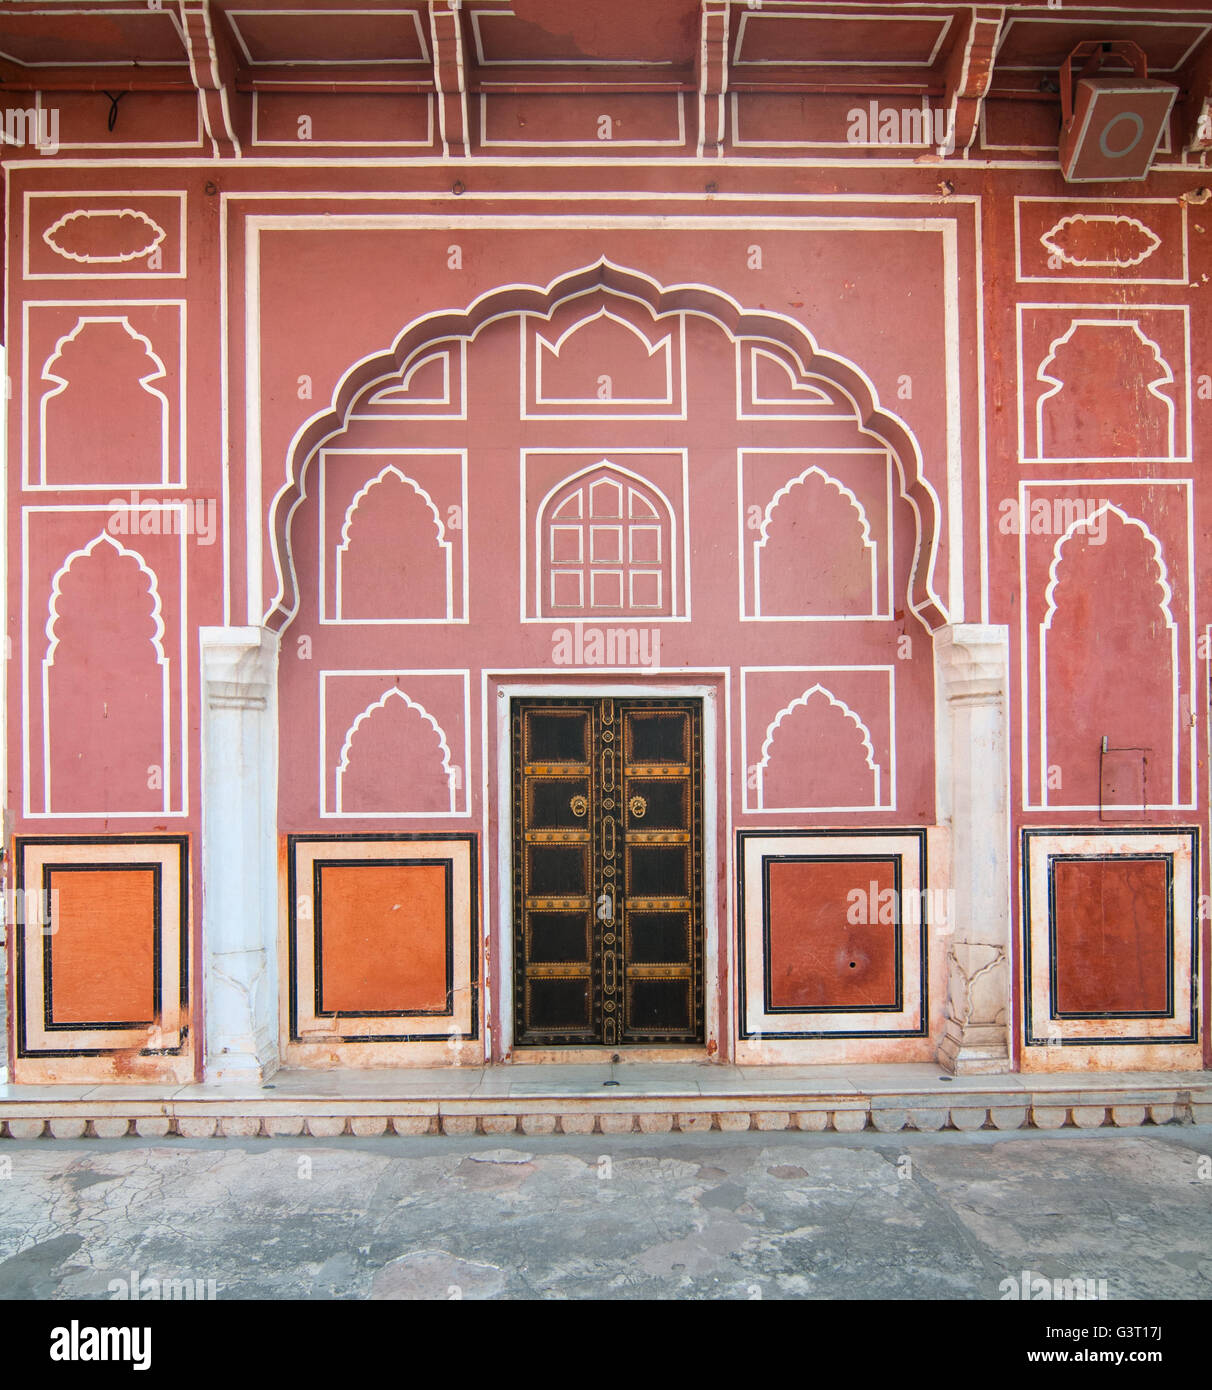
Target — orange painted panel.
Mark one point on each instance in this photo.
(383, 944)
(816, 958)
(1109, 930)
(103, 951)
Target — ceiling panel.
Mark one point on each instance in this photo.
(619, 34)
(272, 38)
(79, 37)
(1042, 43)
(799, 39)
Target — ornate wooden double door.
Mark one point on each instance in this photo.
(607, 871)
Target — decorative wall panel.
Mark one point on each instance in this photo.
(816, 533)
(818, 738)
(86, 236)
(383, 938)
(394, 743)
(1110, 951)
(102, 936)
(105, 395)
(112, 745)
(1087, 241)
(406, 503)
(1067, 354)
(1108, 578)
(833, 934)
(605, 534)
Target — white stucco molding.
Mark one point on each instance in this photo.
(239, 857)
(972, 673)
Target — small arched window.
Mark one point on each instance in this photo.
(605, 542)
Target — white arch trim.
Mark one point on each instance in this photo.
(157, 642)
(1084, 523)
(90, 214)
(157, 374)
(356, 502)
(325, 424)
(546, 349)
(801, 392)
(396, 391)
(764, 531)
(801, 702)
(1154, 387)
(393, 692)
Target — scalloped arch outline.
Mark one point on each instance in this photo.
(84, 553)
(393, 692)
(157, 641)
(1084, 523)
(1045, 628)
(360, 496)
(160, 373)
(704, 301)
(1154, 387)
(801, 702)
(829, 480)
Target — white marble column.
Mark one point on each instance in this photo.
(973, 790)
(239, 852)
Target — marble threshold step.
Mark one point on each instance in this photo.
(644, 1098)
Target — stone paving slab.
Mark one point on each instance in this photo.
(390, 1215)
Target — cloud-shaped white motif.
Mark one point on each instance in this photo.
(137, 235)
(1128, 241)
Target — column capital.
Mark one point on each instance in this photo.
(973, 660)
(239, 666)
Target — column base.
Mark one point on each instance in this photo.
(241, 1069)
(968, 1053)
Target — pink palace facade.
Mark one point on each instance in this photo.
(543, 530)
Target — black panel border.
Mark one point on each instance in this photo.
(23, 842)
(839, 833)
(471, 839)
(447, 867)
(1057, 832)
(48, 997)
(899, 937)
(1168, 861)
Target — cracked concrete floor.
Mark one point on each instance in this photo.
(596, 1217)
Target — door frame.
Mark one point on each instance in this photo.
(500, 691)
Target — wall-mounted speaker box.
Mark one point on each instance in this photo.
(1116, 127)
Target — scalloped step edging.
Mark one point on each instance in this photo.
(1041, 1111)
